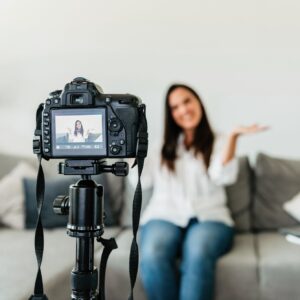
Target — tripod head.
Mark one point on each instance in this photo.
(92, 167)
(84, 204)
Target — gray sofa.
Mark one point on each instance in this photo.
(262, 265)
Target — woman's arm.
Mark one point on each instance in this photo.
(230, 146)
(223, 169)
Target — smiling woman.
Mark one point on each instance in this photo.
(185, 107)
(187, 215)
(185, 113)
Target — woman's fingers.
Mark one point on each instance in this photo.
(254, 128)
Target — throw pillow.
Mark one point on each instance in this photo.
(8, 162)
(292, 207)
(12, 195)
(53, 188)
(276, 181)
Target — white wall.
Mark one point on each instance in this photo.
(242, 57)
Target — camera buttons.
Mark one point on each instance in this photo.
(47, 150)
(115, 150)
(48, 102)
(46, 123)
(122, 142)
(46, 132)
(46, 114)
(114, 125)
(56, 100)
(46, 141)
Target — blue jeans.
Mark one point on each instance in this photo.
(198, 245)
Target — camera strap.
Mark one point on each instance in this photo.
(39, 233)
(142, 148)
(109, 245)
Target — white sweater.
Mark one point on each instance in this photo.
(192, 191)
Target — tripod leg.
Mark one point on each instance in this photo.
(84, 277)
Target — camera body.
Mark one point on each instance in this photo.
(81, 122)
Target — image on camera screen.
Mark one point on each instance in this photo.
(79, 132)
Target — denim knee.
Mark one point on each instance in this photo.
(154, 253)
(199, 260)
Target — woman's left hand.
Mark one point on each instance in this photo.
(255, 128)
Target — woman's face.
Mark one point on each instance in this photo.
(185, 108)
(78, 125)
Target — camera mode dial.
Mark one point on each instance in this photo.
(114, 125)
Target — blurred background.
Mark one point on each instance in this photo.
(241, 56)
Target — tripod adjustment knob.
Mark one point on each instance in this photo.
(120, 168)
(61, 205)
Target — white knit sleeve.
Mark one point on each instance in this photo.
(222, 174)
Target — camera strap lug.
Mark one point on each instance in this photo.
(36, 145)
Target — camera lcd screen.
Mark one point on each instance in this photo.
(79, 132)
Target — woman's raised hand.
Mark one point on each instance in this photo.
(254, 128)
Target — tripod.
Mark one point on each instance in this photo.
(84, 205)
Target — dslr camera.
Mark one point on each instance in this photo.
(81, 122)
(83, 125)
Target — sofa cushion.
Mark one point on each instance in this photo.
(238, 194)
(19, 266)
(118, 270)
(12, 195)
(277, 181)
(236, 276)
(279, 267)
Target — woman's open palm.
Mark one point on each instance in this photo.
(254, 128)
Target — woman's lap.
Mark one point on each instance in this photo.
(199, 245)
(209, 236)
(160, 238)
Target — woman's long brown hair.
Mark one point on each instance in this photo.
(203, 139)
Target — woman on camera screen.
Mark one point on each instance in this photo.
(187, 216)
(78, 135)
